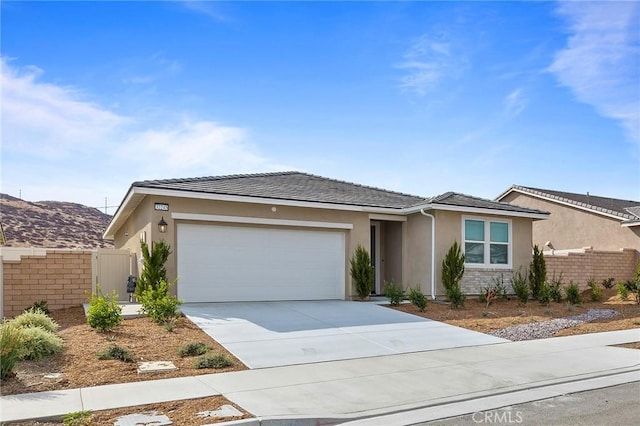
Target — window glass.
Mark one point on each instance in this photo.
(474, 253)
(499, 232)
(499, 254)
(474, 230)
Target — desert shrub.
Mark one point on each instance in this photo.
(38, 343)
(555, 288)
(596, 291)
(212, 361)
(500, 287)
(193, 349)
(544, 294)
(572, 292)
(417, 298)
(77, 418)
(10, 347)
(153, 265)
(117, 353)
(35, 318)
(104, 313)
(622, 291)
(452, 272)
(608, 282)
(158, 305)
(520, 287)
(633, 287)
(394, 292)
(537, 272)
(362, 272)
(40, 306)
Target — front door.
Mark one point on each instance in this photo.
(375, 256)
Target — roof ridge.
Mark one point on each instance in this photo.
(219, 177)
(363, 186)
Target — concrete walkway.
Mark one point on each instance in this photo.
(385, 390)
(275, 334)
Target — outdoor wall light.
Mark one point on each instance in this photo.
(162, 225)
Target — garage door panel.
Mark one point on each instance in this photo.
(235, 263)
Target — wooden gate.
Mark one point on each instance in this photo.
(111, 268)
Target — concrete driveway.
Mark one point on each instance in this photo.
(272, 334)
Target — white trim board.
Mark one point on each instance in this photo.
(259, 221)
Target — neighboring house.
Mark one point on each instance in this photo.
(290, 235)
(579, 220)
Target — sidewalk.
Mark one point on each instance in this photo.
(398, 387)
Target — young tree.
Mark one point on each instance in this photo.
(362, 272)
(537, 272)
(153, 265)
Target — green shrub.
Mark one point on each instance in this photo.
(117, 353)
(452, 272)
(193, 349)
(153, 265)
(362, 272)
(573, 294)
(500, 287)
(520, 287)
(36, 318)
(537, 272)
(158, 305)
(622, 291)
(104, 313)
(38, 343)
(77, 418)
(596, 291)
(394, 292)
(40, 306)
(212, 361)
(417, 298)
(608, 282)
(10, 347)
(555, 288)
(544, 294)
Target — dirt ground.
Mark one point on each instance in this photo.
(80, 366)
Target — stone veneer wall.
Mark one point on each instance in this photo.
(61, 277)
(474, 279)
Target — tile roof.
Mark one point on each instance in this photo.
(295, 186)
(627, 210)
(462, 200)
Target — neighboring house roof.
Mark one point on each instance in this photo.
(307, 190)
(627, 211)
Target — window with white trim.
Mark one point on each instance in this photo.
(487, 242)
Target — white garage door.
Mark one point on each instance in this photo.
(236, 263)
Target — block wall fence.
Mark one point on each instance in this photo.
(580, 267)
(61, 277)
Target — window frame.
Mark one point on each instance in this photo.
(487, 242)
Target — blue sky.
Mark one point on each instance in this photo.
(422, 97)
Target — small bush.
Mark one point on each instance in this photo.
(212, 361)
(394, 292)
(573, 294)
(417, 298)
(596, 291)
(35, 318)
(116, 352)
(520, 287)
(38, 343)
(193, 349)
(555, 288)
(362, 272)
(456, 296)
(10, 348)
(622, 291)
(104, 313)
(608, 283)
(77, 418)
(544, 294)
(158, 305)
(500, 287)
(40, 306)
(537, 272)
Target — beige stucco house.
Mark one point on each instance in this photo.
(579, 220)
(290, 235)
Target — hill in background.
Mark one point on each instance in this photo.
(52, 224)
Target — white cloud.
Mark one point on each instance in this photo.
(515, 102)
(426, 62)
(46, 119)
(601, 62)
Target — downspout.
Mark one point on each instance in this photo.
(433, 252)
